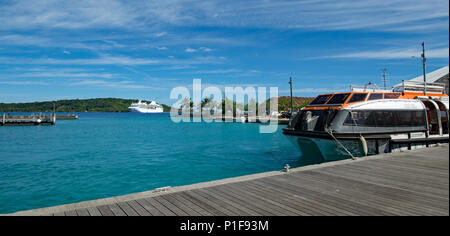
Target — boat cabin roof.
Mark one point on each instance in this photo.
(341, 100)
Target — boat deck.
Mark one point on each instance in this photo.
(409, 183)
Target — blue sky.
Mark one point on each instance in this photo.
(53, 50)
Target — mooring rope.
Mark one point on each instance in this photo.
(349, 153)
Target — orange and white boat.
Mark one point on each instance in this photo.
(369, 120)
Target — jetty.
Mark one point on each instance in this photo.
(413, 182)
(39, 119)
(67, 117)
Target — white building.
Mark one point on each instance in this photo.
(437, 76)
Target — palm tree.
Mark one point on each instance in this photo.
(186, 103)
(209, 104)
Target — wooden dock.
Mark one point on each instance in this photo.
(19, 120)
(66, 117)
(408, 183)
(40, 119)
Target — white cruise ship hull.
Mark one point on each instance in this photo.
(144, 110)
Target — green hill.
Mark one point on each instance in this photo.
(74, 105)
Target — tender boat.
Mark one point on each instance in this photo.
(368, 120)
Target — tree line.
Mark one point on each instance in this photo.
(74, 105)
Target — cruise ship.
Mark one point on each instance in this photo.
(143, 107)
(369, 120)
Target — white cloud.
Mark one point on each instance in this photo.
(160, 34)
(190, 50)
(219, 71)
(283, 14)
(393, 54)
(161, 48)
(205, 49)
(23, 83)
(111, 60)
(113, 84)
(55, 74)
(67, 52)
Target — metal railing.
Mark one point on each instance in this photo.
(414, 86)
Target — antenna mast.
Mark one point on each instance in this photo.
(290, 83)
(384, 77)
(424, 59)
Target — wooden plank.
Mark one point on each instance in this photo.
(212, 206)
(223, 202)
(384, 191)
(255, 204)
(149, 207)
(386, 180)
(59, 214)
(368, 198)
(242, 208)
(105, 210)
(369, 192)
(71, 213)
(202, 211)
(180, 205)
(170, 206)
(274, 200)
(141, 211)
(83, 212)
(230, 201)
(289, 199)
(398, 180)
(314, 202)
(129, 211)
(117, 211)
(205, 205)
(275, 206)
(94, 211)
(401, 169)
(325, 199)
(164, 210)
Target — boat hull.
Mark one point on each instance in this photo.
(140, 110)
(336, 148)
(326, 149)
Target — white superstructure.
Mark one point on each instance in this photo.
(143, 107)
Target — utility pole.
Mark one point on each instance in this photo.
(424, 59)
(384, 77)
(292, 106)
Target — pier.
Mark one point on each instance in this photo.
(40, 119)
(413, 182)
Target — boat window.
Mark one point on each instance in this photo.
(314, 120)
(321, 99)
(386, 118)
(338, 98)
(391, 95)
(357, 97)
(375, 96)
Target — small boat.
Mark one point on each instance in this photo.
(368, 120)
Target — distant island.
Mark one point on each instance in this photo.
(115, 105)
(74, 105)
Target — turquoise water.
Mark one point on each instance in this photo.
(109, 154)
